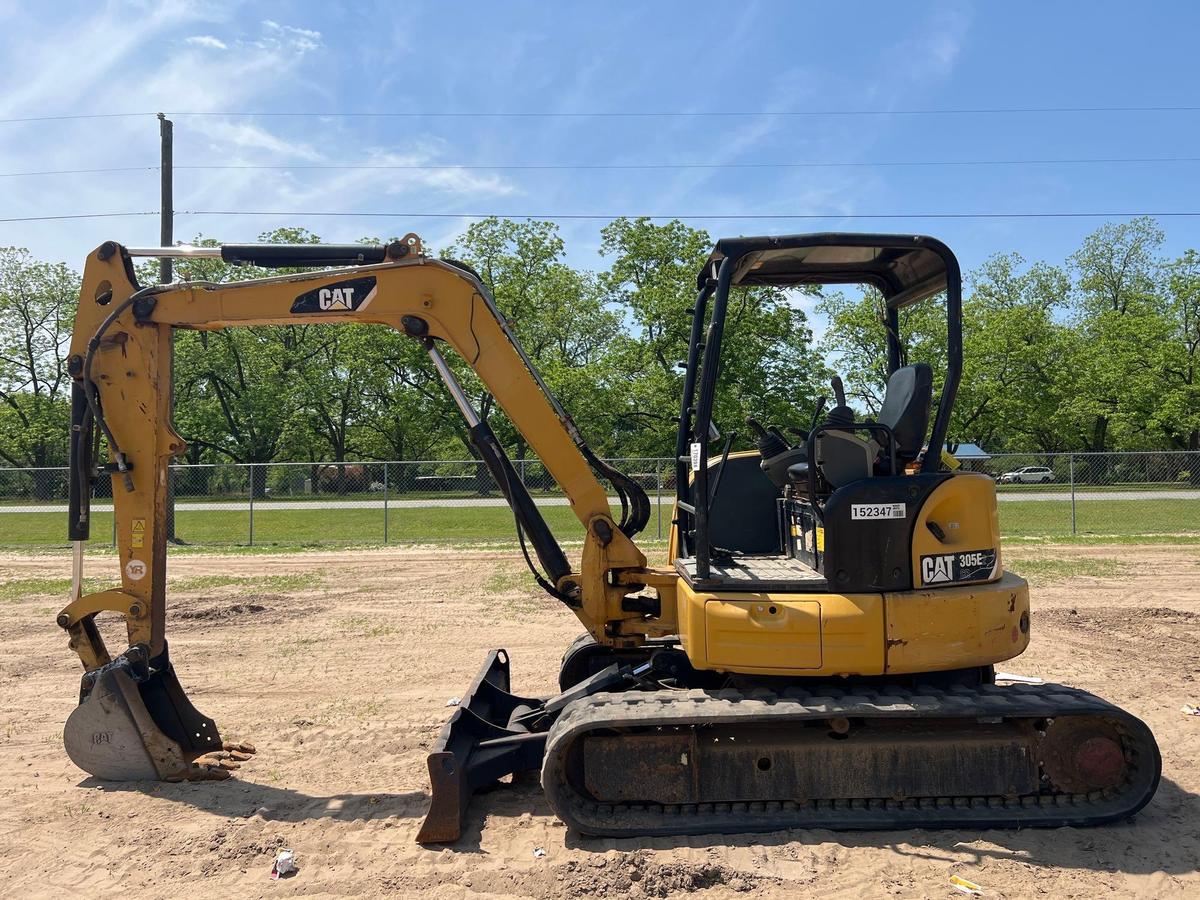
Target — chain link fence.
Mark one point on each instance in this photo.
(420, 501)
(456, 502)
(1153, 492)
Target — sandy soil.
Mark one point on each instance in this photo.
(343, 687)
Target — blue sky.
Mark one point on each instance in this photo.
(219, 57)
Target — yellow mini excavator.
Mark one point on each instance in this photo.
(817, 651)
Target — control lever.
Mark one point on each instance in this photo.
(820, 408)
(839, 392)
(770, 442)
(841, 414)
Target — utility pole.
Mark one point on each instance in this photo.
(167, 220)
(166, 133)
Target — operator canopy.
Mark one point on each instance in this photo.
(905, 268)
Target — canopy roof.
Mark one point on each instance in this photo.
(905, 268)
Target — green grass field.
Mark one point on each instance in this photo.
(436, 525)
(494, 524)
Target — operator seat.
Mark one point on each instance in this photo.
(905, 410)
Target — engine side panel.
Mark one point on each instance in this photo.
(825, 634)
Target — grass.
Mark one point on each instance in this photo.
(297, 646)
(21, 588)
(292, 581)
(275, 530)
(1045, 569)
(503, 581)
(364, 627)
(449, 525)
(1099, 517)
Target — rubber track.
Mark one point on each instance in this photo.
(730, 707)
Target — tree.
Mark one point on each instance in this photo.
(238, 390)
(769, 368)
(37, 306)
(1177, 409)
(1017, 368)
(1116, 312)
(856, 341)
(557, 313)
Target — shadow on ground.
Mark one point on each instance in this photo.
(245, 798)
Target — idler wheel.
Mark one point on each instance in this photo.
(1083, 754)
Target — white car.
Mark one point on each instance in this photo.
(1028, 475)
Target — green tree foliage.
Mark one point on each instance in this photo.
(1176, 402)
(557, 313)
(1017, 357)
(1117, 311)
(37, 306)
(1099, 353)
(769, 368)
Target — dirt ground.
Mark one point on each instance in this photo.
(342, 682)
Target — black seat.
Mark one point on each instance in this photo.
(905, 408)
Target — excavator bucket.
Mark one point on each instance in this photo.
(485, 739)
(135, 723)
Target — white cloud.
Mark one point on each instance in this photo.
(290, 37)
(226, 137)
(931, 51)
(206, 40)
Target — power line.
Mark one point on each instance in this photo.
(115, 215)
(101, 171)
(299, 214)
(73, 117)
(619, 114)
(541, 167)
(717, 216)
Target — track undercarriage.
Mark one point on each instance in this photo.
(654, 748)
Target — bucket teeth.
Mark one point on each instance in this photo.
(134, 723)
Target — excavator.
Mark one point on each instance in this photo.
(818, 649)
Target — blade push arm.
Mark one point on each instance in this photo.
(121, 363)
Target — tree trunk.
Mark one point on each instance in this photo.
(258, 482)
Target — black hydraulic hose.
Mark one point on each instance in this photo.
(721, 471)
(635, 505)
(525, 512)
(80, 465)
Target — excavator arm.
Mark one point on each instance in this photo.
(122, 389)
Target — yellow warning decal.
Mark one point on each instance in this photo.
(139, 533)
(820, 540)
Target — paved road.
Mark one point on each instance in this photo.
(463, 502)
(1005, 496)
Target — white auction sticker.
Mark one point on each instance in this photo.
(695, 456)
(878, 511)
(135, 569)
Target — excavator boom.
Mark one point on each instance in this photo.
(135, 720)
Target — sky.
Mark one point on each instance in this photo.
(721, 63)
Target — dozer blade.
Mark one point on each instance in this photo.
(135, 723)
(483, 741)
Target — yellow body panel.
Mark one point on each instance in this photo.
(809, 634)
(824, 634)
(779, 634)
(964, 508)
(955, 627)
